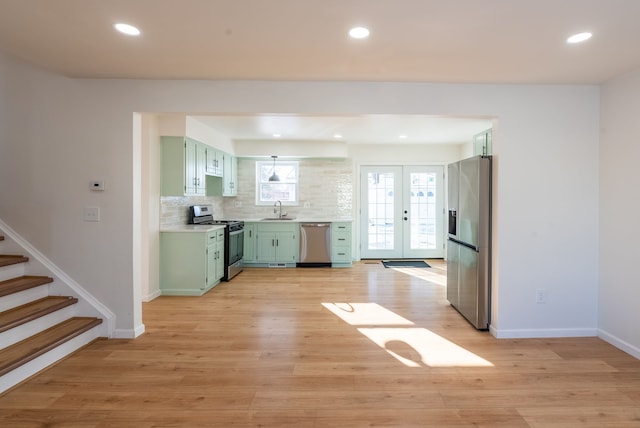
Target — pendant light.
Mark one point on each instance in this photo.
(274, 176)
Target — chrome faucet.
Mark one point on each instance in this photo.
(278, 203)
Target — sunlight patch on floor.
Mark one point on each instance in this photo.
(425, 274)
(366, 314)
(416, 347)
(412, 346)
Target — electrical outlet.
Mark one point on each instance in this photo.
(307, 204)
(541, 295)
(237, 204)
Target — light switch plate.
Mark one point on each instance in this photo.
(92, 214)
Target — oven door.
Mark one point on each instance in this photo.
(236, 246)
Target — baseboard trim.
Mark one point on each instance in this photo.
(630, 349)
(543, 333)
(151, 296)
(120, 333)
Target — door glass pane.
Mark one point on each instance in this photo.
(423, 210)
(380, 209)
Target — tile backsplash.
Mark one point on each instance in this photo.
(174, 210)
(325, 185)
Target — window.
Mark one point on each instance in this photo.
(285, 190)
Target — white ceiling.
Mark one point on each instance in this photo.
(366, 129)
(455, 41)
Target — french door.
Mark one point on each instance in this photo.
(401, 212)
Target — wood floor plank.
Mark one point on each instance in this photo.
(262, 350)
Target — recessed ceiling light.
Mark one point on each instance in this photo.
(337, 136)
(277, 135)
(127, 29)
(359, 33)
(580, 37)
(402, 136)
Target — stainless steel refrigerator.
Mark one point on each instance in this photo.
(469, 242)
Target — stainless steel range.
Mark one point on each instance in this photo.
(233, 238)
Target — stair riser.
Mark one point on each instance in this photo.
(11, 271)
(23, 331)
(33, 367)
(17, 299)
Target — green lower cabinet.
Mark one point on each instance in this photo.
(191, 263)
(249, 255)
(276, 244)
(341, 244)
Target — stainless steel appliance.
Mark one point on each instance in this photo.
(469, 243)
(315, 244)
(233, 238)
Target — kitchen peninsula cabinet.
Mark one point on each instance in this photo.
(191, 260)
(182, 168)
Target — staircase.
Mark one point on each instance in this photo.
(37, 329)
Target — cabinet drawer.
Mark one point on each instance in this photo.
(341, 254)
(340, 238)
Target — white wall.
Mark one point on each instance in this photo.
(57, 134)
(619, 293)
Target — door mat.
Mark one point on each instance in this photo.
(405, 264)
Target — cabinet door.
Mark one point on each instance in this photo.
(249, 242)
(266, 247)
(214, 162)
(190, 167)
(220, 254)
(286, 247)
(201, 155)
(212, 258)
(230, 175)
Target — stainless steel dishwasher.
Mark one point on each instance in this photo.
(315, 244)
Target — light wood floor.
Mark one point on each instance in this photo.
(386, 350)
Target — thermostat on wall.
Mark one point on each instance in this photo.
(97, 185)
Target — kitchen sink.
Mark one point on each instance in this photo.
(279, 218)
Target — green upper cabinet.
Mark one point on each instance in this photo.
(482, 143)
(215, 162)
(230, 176)
(182, 166)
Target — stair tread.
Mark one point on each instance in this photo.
(22, 352)
(11, 259)
(22, 283)
(32, 310)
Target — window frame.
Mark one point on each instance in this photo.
(287, 179)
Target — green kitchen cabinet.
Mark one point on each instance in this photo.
(482, 143)
(230, 175)
(191, 263)
(214, 162)
(341, 244)
(277, 243)
(250, 242)
(182, 170)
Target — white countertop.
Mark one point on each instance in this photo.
(300, 220)
(192, 228)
